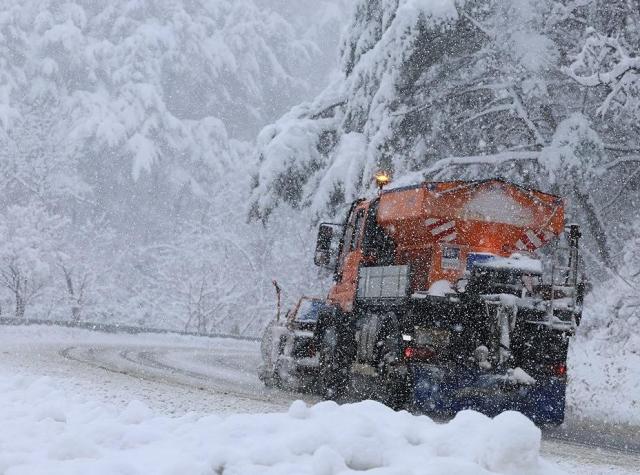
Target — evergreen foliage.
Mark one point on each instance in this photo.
(543, 93)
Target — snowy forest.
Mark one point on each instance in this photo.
(127, 132)
(161, 162)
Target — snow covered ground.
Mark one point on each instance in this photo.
(604, 381)
(208, 375)
(604, 358)
(50, 431)
(81, 402)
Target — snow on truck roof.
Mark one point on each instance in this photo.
(460, 184)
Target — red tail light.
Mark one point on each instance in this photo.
(559, 369)
(412, 353)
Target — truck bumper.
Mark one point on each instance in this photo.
(443, 391)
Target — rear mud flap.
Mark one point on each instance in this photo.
(445, 392)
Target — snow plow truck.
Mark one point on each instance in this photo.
(450, 296)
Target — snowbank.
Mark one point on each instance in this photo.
(604, 364)
(604, 357)
(604, 380)
(48, 431)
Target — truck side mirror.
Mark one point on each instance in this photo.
(327, 245)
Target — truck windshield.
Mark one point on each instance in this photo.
(357, 229)
(350, 238)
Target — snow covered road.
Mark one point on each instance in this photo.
(171, 374)
(178, 375)
(225, 372)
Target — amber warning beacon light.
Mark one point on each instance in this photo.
(382, 179)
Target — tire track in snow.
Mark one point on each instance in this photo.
(144, 364)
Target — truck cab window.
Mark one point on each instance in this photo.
(345, 247)
(357, 230)
(350, 242)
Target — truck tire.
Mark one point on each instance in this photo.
(395, 380)
(333, 375)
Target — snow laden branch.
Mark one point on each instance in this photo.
(622, 161)
(446, 164)
(494, 160)
(508, 100)
(604, 61)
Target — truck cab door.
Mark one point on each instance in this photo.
(343, 292)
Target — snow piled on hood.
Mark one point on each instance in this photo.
(49, 431)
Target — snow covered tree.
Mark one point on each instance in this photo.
(134, 119)
(29, 244)
(419, 82)
(466, 90)
(35, 164)
(83, 273)
(574, 161)
(200, 278)
(613, 309)
(146, 101)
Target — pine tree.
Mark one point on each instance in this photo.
(471, 90)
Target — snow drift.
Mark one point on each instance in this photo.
(48, 431)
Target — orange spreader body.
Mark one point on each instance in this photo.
(426, 220)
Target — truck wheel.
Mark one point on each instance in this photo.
(395, 386)
(333, 374)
